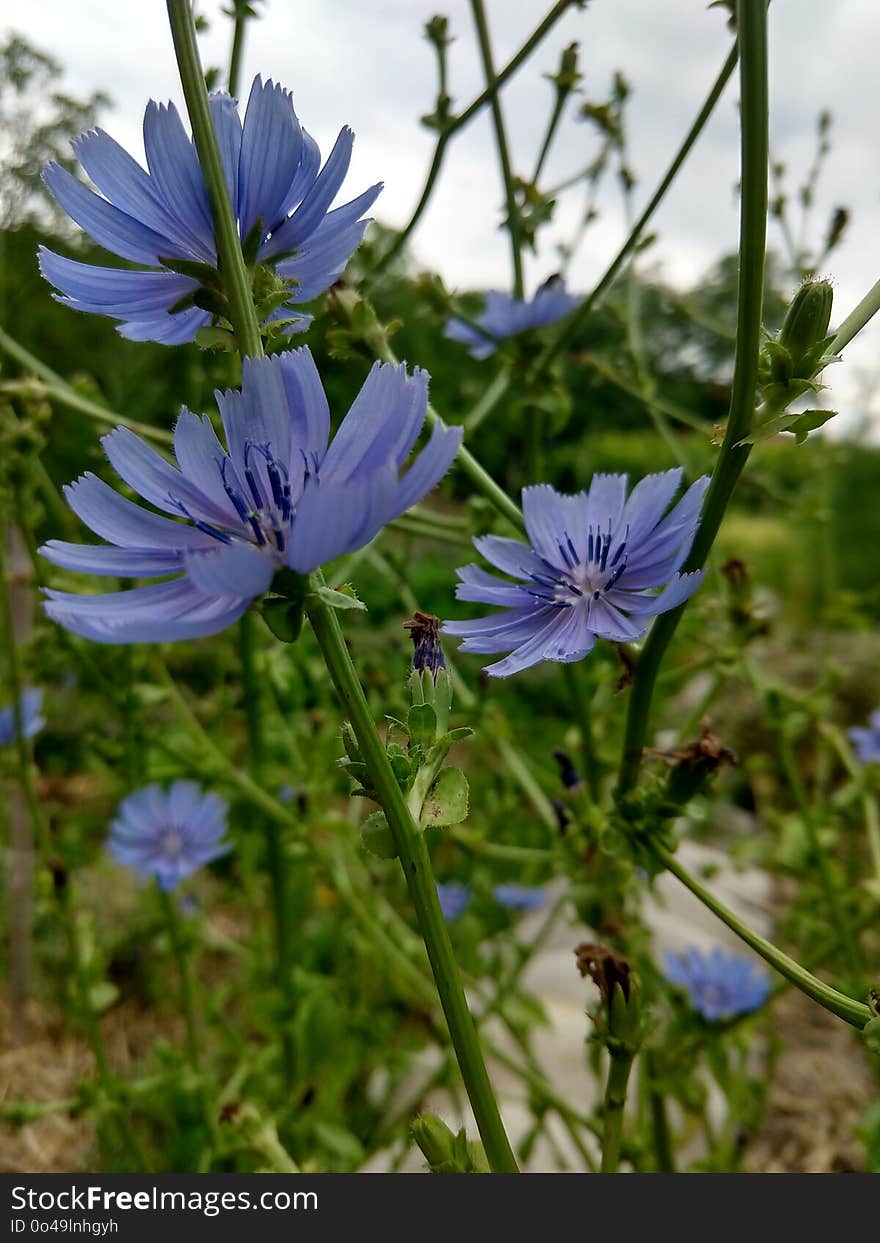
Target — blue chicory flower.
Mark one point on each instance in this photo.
(169, 833)
(454, 899)
(720, 984)
(504, 316)
(520, 897)
(594, 563)
(161, 219)
(867, 741)
(32, 720)
(278, 497)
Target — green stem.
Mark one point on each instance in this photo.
(490, 398)
(184, 971)
(240, 20)
(231, 261)
(752, 27)
(416, 866)
(555, 118)
(485, 42)
(856, 320)
(619, 1069)
(275, 852)
(462, 120)
(581, 692)
(854, 1012)
(578, 316)
(53, 387)
(663, 1154)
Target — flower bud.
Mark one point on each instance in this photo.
(446, 1152)
(806, 321)
(434, 1138)
(424, 630)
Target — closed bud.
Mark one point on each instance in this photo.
(424, 630)
(435, 1139)
(437, 31)
(567, 77)
(806, 321)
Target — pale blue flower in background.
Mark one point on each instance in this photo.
(168, 834)
(867, 741)
(520, 897)
(504, 316)
(720, 984)
(32, 719)
(454, 899)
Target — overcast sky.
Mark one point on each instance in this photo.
(367, 64)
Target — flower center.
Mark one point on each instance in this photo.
(263, 499)
(171, 843)
(582, 579)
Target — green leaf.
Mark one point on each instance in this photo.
(421, 724)
(342, 599)
(377, 836)
(283, 617)
(447, 801)
(209, 338)
(442, 746)
(809, 421)
(800, 424)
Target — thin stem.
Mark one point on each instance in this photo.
(856, 320)
(555, 118)
(619, 1068)
(240, 20)
(660, 1137)
(52, 386)
(581, 692)
(513, 223)
(487, 403)
(275, 852)
(184, 971)
(752, 27)
(519, 769)
(459, 122)
(235, 275)
(577, 317)
(416, 866)
(854, 1012)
